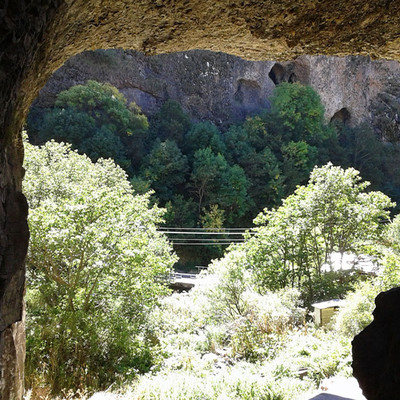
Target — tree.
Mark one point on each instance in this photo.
(260, 165)
(214, 182)
(299, 111)
(166, 168)
(95, 268)
(204, 135)
(181, 212)
(213, 218)
(232, 195)
(363, 151)
(333, 213)
(96, 120)
(170, 123)
(299, 158)
(207, 172)
(259, 134)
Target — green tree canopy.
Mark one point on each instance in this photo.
(94, 266)
(333, 213)
(96, 119)
(208, 169)
(204, 135)
(166, 168)
(300, 112)
(260, 165)
(213, 181)
(170, 122)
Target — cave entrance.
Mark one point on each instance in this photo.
(293, 78)
(277, 74)
(38, 36)
(342, 116)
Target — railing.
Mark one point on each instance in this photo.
(205, 236)
(174, 276)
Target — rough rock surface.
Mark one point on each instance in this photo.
(252, 29)
(352, 84)
(12, 345)
(38, 36)
(376, 350)
(211, 86)
(224, 88)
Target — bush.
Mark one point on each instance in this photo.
(234, 383)
(356, 314)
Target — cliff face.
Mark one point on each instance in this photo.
(355, 84)
(210, 86)
(224, 88)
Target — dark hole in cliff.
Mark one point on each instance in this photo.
(277, 74)
(342, 116)
(292, 78)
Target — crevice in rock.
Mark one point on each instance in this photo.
(292, 78)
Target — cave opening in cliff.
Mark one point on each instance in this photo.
(277, 74)
(342, 116)
(293, 78)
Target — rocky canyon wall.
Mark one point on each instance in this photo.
(224, 88)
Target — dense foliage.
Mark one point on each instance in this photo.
(96, 262)
(294, 243)
(360, 303)
(96, 119)
(242, 332)
(228, 337)
(195, 167)
(96, 268)
(223, 339)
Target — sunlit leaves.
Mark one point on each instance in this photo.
(96, 119)
(333, 213)
(96, 265)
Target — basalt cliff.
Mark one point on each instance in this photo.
(224, 89)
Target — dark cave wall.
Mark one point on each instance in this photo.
(376, 350)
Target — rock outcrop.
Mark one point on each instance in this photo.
(376, 350)
(211, 86)
(224, 89)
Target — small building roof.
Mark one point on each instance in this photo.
(328, 304)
